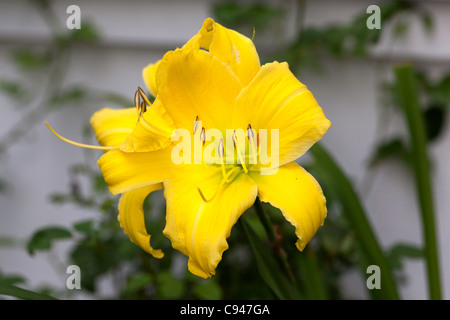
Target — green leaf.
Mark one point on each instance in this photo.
(137, 282)
(87, 33)
(14, 291)
(315, 288)
(13, 89)
(28, 60)
(407, 250)
(394, 148)
(328, 170)
(268, 267)
(401, 251)
(208, 290)
(11, 279)
(71, 95)
(434, 117)
(169, 287)
(44, 238)
(255, 15)
(427, 21)
(407, 91)
(85, 227)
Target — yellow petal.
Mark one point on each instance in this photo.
(193, 83)
(299, 197)
(199, 229)
(275, 99)
(153, 131)
(112, 126)
(234, 49)
(148, 75)
(131, 217)
(149, 72)
(125, 171)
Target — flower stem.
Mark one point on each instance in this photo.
(407, 93)
(265, 219)
(275, 238)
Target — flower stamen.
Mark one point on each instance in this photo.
(241, 160)
(220, 188)
(143, 96)
(203, 136)
(82, 145)
(222, 164)
(195, 124)
(141, 106)
(254, 151)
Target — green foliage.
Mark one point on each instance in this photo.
(394, 148)
(267, 266)
(30, 60)
(401, 251)
(406, 88)
(352, 39)
(235, 15)
(14, 291)
(44, 238)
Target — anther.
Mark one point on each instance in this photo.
(143, 95)
(137, 100)
(143, 108)
(220, 149)
(195, 124)
(250, 135)
(203, 136)
(240, 157)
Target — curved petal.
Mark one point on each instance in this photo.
(299, 197)
(275, 99)
(234, 49)
(193, 83)
(149, 77)
(199, 229)
(112, 126)
(124, 171)
(131, 217)
(152, 132)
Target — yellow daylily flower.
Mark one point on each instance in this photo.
(188, 143)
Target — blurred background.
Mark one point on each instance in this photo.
(49, 73)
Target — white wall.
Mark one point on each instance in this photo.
(138, 32)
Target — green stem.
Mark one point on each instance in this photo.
(268, 265)
(315, 287)
(407, 91)
(329, 170)
(265, 219)
(275, 238)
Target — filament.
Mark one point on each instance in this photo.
(220, 188)
(82, 145)
(239, 153)
(222, 164)
(254, 151)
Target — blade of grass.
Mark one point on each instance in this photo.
(13, 291)
(407, 93)
(329, 170)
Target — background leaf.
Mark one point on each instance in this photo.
(44, 238)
